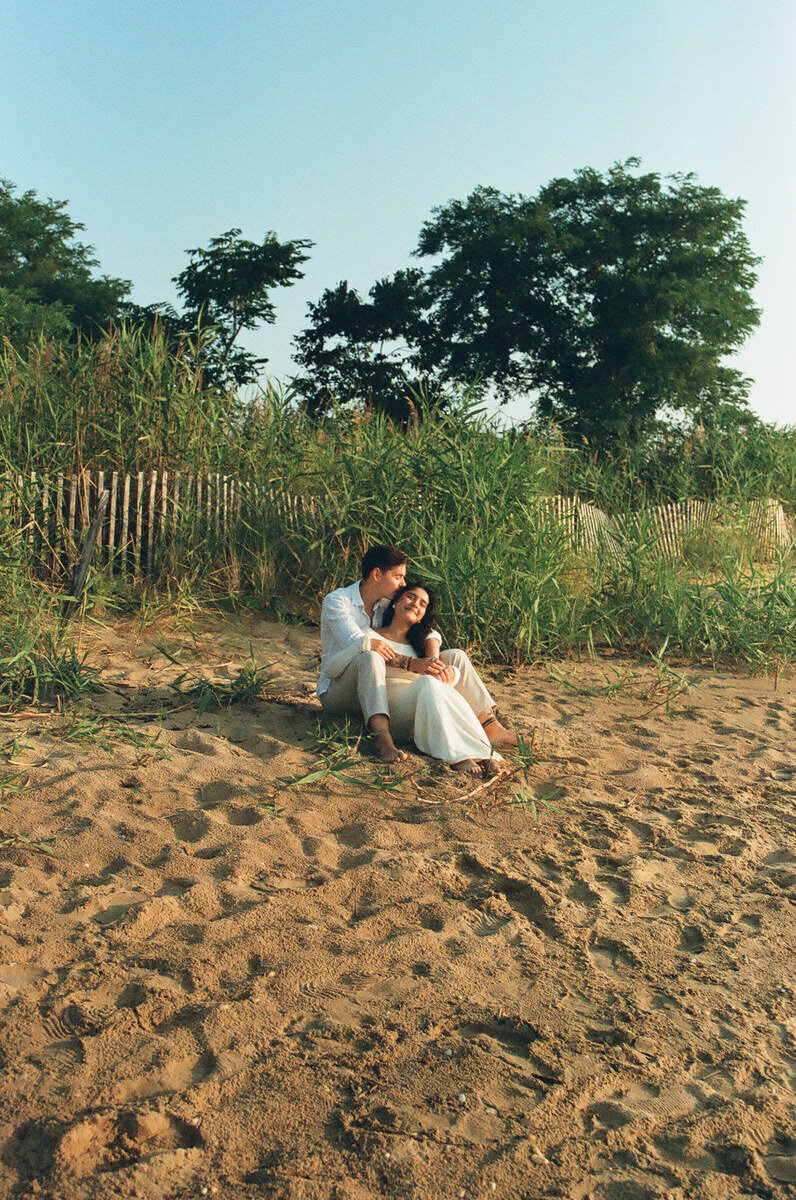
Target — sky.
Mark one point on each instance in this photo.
(347, 121)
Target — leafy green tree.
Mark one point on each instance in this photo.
(225, 289)
(613, 297)
(609, 300)
(47, 280)
(364, 351)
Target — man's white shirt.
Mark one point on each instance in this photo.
(346, 630)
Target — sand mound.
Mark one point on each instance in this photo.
(576, 985)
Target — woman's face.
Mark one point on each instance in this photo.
(412, 605)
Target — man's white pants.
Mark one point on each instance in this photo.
(362, 687)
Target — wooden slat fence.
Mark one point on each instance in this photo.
(145, 514)
(147, 511)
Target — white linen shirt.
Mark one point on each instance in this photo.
(345, 631)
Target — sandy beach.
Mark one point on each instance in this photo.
(578, 983)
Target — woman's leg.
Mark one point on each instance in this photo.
(443, 724)
(470, 686)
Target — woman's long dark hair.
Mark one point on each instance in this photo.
(416, 634)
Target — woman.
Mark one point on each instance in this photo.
(424, 708)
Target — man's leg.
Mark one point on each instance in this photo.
(362, 689)
(471, 687)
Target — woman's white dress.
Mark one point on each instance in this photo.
(430, 713)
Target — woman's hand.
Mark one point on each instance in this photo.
(432, 666)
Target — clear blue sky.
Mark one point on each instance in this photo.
(346, 121)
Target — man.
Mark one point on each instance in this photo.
(354, 657)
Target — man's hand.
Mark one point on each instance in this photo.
(383, 648)
(433, 666)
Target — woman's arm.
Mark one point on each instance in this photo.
(432, 643)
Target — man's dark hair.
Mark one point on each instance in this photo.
(383, 557)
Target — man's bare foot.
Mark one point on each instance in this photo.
(468, 766)
(387, 750)
(491, 768)
(498, 734)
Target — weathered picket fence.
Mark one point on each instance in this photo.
(148, 511)
(763, 524)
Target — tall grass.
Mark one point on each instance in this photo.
(38, 660)
(130, 399)
(463, 497)
(466, 504)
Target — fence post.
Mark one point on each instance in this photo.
(112, 521)
(81, 575)
(150, 531)
(100, 490)
(72, 511)
(139, 515)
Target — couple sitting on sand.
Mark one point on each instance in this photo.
(380, 656)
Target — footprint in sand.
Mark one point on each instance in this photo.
(104, 904)
(349, 862)
(510, 1043)
(14, 978)
(108, 1141)
(779, 1159)
(692, 940)
(527, 898)
(678, 1149)
(494, 915)
(201, 743)
(176, 887)
(243, 816)
(176, 1076)
(612, 889)
(188, 826)
(354, 836)
(612, 958)
(431, 919)
(210, 795)
(598, 894)
(581, 893)
(644, 832)
(779, 869)
(639, 1102)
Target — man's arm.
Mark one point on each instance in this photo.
(340, 627)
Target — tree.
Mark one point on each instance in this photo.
(226, 288)
(606, 299)
(612, 297)
(364, 351)
(47, 280)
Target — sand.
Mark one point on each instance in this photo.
(219, 985)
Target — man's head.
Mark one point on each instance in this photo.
(384, 570)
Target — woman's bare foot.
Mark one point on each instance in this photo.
(498, 734)
(468, 766)
(491, 768)
(387, 750)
